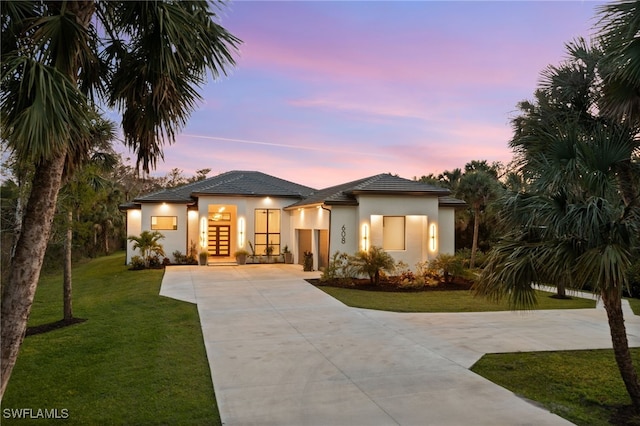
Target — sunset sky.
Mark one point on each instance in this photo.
(327, 92)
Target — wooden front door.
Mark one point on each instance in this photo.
(219, 240)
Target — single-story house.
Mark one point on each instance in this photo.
(411, 220)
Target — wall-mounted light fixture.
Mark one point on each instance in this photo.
(203, 232)
(365, 237)
(135, 213)
(432, 237)
(241, 232)
(164, 206)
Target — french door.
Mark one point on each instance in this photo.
(219, 240)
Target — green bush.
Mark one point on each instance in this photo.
(448, 265)
(372, 263)
(339, 268)
(137, 263)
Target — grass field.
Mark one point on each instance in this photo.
(439, 301)
(138, 359)
(582, 386)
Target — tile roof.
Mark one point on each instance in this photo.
(385, 183)
(242, 183)
(257, 184)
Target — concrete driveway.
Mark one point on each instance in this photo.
(283, 352)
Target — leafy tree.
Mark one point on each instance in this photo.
(148, 245)
(619, 35)
(578, 218)
(372, 262)
(477, 188)
(146, 59)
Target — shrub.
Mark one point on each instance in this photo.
(339, 268)
(137, 263)
(307, 263)
(179, 258)
(149, 247)
(372, 263)
(448, 264)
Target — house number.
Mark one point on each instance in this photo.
(343, 234)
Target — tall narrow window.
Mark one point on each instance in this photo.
(267, 231)
(393, 234)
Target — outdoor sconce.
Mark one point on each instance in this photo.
(203, 232)
(241, 232)
(365, 237)
(432, 237)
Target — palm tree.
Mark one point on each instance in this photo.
(148, 245)
(574, 221)
(146, 59)
(619, 29)
(477, 188)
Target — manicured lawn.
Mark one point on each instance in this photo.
(138, 359)
(635, 305)
(439, 301)
(582, 386)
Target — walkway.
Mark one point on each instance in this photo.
(282, 352)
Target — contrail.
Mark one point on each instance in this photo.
(281, 145)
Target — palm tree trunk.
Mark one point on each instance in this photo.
(24, 272)
(612, 303)
(67, 280)
(476, 231)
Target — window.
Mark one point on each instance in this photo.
(393, 233)
(267, 232)
(164, 223)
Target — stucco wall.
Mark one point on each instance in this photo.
(447, 230)
(134, 227)
(245, 212)
(307, 219)
(173, 239)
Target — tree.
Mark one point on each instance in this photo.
(619, 35)
(148, 245)
(477, 188)
(371, 262)
(146, 59)
(577, 219)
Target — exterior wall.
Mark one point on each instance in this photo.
(140, 220)
(307, 219)
(134, 227)
(447, 230)
(344, 218)
(243, 229)
(419, 212)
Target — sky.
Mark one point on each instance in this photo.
(328, 92)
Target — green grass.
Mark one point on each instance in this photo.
(138, 359)
(440, 301)
(582, 386)
(635, 305)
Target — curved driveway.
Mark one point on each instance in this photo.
(283, 352)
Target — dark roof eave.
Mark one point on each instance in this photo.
(129, 206)
(224, 194)
(392, 192)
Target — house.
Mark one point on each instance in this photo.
(412, 221)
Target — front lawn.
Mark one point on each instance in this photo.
(439, 301)
(582, 386)
(139, 358)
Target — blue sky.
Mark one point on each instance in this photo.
(326, 92)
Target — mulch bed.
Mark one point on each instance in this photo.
(45, 328)
(391, 286)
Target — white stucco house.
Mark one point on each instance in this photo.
(412, 221)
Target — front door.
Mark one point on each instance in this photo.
(219, 240)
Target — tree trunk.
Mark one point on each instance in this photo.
(476, 231)
(24, 273)
(67, 280)
(612, 303)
